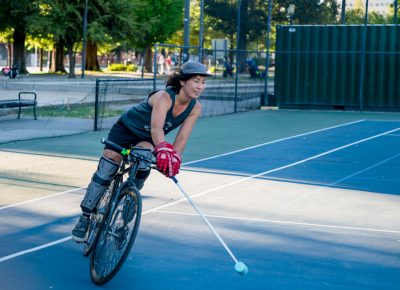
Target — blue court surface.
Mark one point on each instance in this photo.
(319, 210)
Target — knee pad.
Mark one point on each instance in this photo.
(101, 180)
(141, 177)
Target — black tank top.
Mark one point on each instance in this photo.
(138, 118)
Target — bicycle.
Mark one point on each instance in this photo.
(114, 224)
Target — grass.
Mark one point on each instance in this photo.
(81, 111)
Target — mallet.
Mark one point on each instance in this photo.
(240, 267)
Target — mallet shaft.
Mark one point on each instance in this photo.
(205, 220)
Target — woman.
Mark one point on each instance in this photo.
(146, 125)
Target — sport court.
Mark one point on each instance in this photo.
(311, 202)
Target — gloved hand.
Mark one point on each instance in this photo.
(176, 163)
(168, 160)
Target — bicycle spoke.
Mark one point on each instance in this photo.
(116, 238)
(97, 219)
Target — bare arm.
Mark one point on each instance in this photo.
(161, 103)
(186, 129)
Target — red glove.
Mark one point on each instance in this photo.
(176, 163)
(168, 160)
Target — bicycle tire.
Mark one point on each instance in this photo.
(97, 219)
(117, 236)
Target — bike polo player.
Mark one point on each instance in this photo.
(145, 125)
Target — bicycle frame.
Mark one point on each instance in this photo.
(130, 165)
(113, 237)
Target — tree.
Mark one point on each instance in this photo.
(155, 21)
(16, 15)
(357, 15)
(61, 22)
(311, 11)
(41, 43)
(6, 37)
(109, 21)
(222, 15)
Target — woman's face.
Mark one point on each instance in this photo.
(193, 87)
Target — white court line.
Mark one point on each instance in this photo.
(34, 249)
(283, 222)
(48, 155)
(216, 156)
(219, 187)
(40, 198)
(334, 183)
(275, 141)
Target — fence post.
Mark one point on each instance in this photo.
(215, 60)
(155, 66)
(237, 55)
(96, 105)
(267, 54)
(201, 37)
(363, 53)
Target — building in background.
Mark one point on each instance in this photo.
(380, 6)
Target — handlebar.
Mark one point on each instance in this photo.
(114, 146)
(118, 148)
(125, 151)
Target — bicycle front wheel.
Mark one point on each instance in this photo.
(97, 218)
(116, 237)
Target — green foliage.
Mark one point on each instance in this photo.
(6, 35)
(59, 20)
(222, 17)
(310, 11)
(122, 67)
(131, 67)
(155, 21)
(17, 14)
(110, 21)
(116, 67)
(356, 16)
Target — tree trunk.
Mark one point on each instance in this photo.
(231, 49)
(118, 54)
(9, 54)
(142, 62)
(148, 59)
(91, 57)
(19, 36)
(41, 59)
(58, 57)
(49, 60)
(72, 59)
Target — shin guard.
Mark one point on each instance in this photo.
(101, 180)
(141, 177)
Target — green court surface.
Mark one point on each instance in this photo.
(61, 163)
(307, 199)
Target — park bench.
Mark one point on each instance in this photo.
(20, 102)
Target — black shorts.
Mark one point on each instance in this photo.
(121, 135)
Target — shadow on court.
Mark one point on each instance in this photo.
(291, 235)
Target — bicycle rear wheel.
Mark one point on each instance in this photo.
(116, 237)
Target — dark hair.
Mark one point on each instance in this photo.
(175, 77)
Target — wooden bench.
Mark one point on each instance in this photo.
(19, 103)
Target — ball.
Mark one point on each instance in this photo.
(241, 268)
